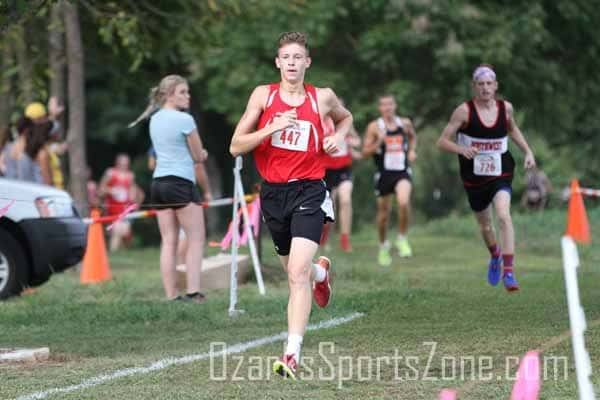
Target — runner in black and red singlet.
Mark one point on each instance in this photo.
(483, 126)
(282, 126)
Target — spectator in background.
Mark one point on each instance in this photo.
(179, 150)
(182, 243)
(119, 191)
(14, 160)
(4, 136)
(535, 197)
(37, 112)
(37, 148)
(54, 148)
(26, 158)
(92, 190)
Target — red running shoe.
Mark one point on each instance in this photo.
(322, 290)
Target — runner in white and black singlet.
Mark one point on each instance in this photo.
(483, 126)
(392, 141)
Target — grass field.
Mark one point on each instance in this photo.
(434, 310)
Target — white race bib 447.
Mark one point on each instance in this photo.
(294, 138)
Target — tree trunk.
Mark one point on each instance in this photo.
(5, 86)
(76, 106)
(56, 57)
(24, 62)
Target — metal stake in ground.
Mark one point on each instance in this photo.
(239, 200)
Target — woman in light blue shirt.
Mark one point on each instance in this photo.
(179, 158)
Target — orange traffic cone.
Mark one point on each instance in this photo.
(578, 227)
(95, 267)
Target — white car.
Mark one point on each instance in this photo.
(41, 233)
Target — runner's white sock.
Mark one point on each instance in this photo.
(385, 245)
(293, 346)
(320, 273)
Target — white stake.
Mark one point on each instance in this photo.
(577, 320)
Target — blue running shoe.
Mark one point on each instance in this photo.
(494, 270)
(510, 282)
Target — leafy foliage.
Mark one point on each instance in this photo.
(545, 54)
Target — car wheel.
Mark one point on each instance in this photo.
(14, 270)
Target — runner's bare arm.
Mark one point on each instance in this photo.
(412, 139)
(446, 140)
(372, 140)
(103, 185)
(517, 136)
(354, 139)
(342, 118)
(355, 142)
(245, 137)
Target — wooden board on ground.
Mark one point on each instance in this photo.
(24, 355)
(215, 271)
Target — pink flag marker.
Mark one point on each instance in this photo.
(447, 394)
(4, 209)
(253, 215)
(527, 386)
(122, 216)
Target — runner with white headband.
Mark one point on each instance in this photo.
(482, 127)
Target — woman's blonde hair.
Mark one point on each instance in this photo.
(158, 96)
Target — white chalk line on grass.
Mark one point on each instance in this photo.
(167, 362)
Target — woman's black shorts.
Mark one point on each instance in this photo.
(173, 192)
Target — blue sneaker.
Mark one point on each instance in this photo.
(510, 282)
(494, 270)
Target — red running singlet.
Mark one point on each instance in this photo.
(296, 152)
(119, 188)
(341, 158)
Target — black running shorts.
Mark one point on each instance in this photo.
(386, 181)
(173, 192)
(334, 177)
(480, 197)
(295, 209)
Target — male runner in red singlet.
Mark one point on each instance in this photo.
(119, 191)
(338, 178)
(392, 141)
(483, 125)
(282, 126)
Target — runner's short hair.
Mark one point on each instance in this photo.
(293, 37)
(385, 96)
